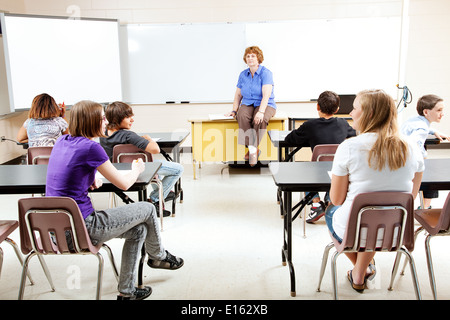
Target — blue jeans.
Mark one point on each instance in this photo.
(329, 212)
(136, 223)
(171, 172)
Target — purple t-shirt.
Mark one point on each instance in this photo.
(71, 169)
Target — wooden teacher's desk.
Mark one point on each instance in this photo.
(215, 140)
(313, 176)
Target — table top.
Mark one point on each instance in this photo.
(314, 176)
(23, 179)
(277, 137)
(168, 139)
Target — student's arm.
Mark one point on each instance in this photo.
(152, 146)
(416, 183)
(22, 135)
(338, 190)
(122, 181)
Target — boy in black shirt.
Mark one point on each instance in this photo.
(326, 129)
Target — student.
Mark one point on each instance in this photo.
(378, 159)
(430, 109)
(120, 119)
(254, 103)
(45, 122)
(326, 129)
(71, 173)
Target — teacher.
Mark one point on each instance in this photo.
(254, 103)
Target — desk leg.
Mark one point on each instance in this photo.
(287, 239)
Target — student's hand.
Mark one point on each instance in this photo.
(97, 184)
(231, 114)
(138, 164)
(441, 136)
(62, 109)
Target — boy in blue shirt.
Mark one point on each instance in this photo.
(430, 109)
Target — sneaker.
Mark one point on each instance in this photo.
(139, 294)
(420, 208)
(171, 196)
(316, 213)
(166, 213)
(170, 262)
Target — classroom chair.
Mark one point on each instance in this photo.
(436, 222)
(55, 226)
(6, 228)
(38, 155)
(129, 152)
(380, 222)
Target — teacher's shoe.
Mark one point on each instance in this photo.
(139, 294)
(253, 158)
(170, 262)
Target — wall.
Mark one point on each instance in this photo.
(429, 24)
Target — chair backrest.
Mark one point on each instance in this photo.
(380, 221)
(129, 152)
(39, 155)
(53, 225)
(443, 224)
(6, 228)
(324, 152)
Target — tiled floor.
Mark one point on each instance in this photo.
(229, 231)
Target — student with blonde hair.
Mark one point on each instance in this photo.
(75, 159)
(377, 159)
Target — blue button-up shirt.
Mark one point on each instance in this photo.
(251, 87)
(418, 128)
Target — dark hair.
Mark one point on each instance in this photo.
(44, 107)
(328, 102)
(428, 101)
(86, 119)
(116, 112)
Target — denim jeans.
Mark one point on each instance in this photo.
(329, 212)
(171, 172)
(136, 223)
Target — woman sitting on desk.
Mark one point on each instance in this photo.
(254, 103)
(73, 164)
(375, 160)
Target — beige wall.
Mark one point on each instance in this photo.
(427, 67)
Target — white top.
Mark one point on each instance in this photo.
(418, 128)
(351, 159)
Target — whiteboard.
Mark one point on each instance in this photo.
(192, 62)
(70, 59)
(202, 62)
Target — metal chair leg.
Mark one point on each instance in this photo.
(113, 262)
(99, 275)
(46, 271)
(19, 256)
(430, 266)
(324, 263)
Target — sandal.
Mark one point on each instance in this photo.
(373, 271)
(357, 287)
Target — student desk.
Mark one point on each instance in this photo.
(28, 179)
(171, 141)
(313, 176)
(216, 140)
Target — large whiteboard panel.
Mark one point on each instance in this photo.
(202, 62)
(345, 56)
(70, 59)
(194, 62)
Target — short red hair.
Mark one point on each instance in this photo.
(256, 50)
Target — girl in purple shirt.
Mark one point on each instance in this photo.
(71, 172)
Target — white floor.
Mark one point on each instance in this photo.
(229, 232)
